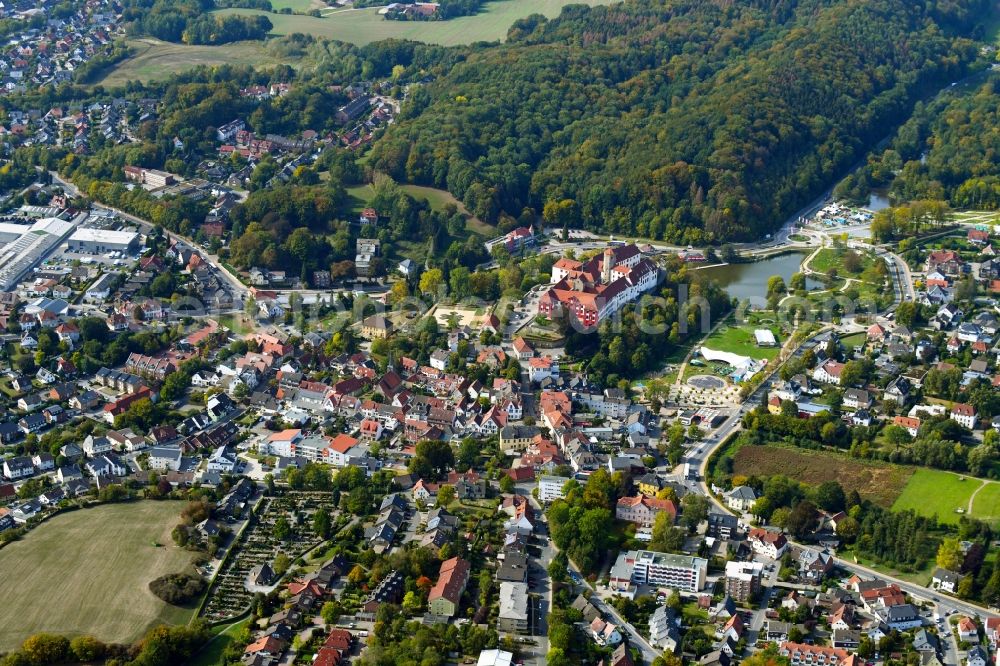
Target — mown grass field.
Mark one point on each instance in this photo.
(986, 503)
(298, 5)
(88, 571)
(211, 654)
(237, 324)
(880, 482)
(155, 60)
(438, 199)
(363, 26)
(740, 340)
(935, 492)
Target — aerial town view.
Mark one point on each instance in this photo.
(500, 332)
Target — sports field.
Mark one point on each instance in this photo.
(87, 572)
(947, 495)
(362, 26)
(156, 60)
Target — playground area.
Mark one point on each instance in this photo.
(457, 316)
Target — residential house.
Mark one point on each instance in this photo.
(643, 510)
(741, 498)
(445, 597)
(513, 615)
(768, 543)
(964, 415)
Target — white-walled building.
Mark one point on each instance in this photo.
(642, 567)
(550, 488)
(99, 241)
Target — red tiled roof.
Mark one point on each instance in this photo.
(343, 443)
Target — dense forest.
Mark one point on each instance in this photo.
(676, 119)
(948, 150)
(191, 22)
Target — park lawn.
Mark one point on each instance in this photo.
(211, 654)
(854, 340)
(88, 572)
(236, 324)
(932, 492)
(877, 481)
(828, 258)
(986, 503)
(740, 340)
(361, 196)
(363, 26)
(155, 60)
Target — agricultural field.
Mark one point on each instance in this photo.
(88, 571)
(880, 482)
(950, 496)
(155, 60)
(363, 26)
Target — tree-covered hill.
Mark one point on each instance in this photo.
(687, 120)
(949, 150)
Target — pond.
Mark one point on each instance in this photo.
(878, 200)
(749, 281)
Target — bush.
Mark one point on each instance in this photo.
(178, 588)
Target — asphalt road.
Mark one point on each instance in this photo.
(704, 450)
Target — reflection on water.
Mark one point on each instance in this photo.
(749, 281)
(878, 200)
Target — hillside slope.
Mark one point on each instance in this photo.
(687, 120)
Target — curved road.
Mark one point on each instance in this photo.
(705, 449)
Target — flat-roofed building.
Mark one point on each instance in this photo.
(743, 580)
(550, 488)
(643, 567)
(98, 241)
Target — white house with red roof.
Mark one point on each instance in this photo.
(542, 367)
(341, 449)
(768, 543)
(964, 415)
(829, 372)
